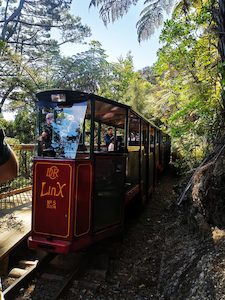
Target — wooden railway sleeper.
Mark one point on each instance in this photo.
(12, 291)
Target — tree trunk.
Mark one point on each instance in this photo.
(220, 19)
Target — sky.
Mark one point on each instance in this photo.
(118, 38)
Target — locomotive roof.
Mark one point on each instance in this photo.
(101, 111)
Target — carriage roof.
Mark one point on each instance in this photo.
(107, 111)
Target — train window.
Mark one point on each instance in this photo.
(152, 139)
(60, 129)
(134, 130)
(110, 114)
(156, 136)
(145, 136)
(58, 98)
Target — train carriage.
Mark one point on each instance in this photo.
(80, 188)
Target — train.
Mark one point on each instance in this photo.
(80, 188)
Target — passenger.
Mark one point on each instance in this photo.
(45, 139)
(46, 136)
(108, 136)
(8, 161)
(111, 146)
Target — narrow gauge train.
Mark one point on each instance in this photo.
(80, 189)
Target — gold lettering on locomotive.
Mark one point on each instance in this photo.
(52, 172)
(51, 204)
(52, 190)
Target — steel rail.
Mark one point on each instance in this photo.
(70, 276)
(12, 291)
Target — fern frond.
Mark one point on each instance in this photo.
(151, 17)
(148, 23)
(111, 10)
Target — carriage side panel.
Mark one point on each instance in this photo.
(83, 198)
(109, 191)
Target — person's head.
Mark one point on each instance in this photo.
(49, 118)
(110, 131)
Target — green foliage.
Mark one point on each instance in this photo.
(126, 86)
(29, 24)
(85, 71)
(137, 94)
(121, 73)
(24, 126)
(3, 123)
(151, 17)
(9, 129)
(186, 94)
(28, 32)
(194, 44)
(181, 91)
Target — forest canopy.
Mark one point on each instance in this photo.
(181, 92)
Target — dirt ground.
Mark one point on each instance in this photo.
(157, 258)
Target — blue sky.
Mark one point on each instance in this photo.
(118, 38)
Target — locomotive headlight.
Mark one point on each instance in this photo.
(58, 98)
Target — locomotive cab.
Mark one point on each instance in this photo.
(77, 190)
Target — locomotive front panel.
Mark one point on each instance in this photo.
(52, 194)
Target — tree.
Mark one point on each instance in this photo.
(186, 92)
(137, 94)
(24, 125)
(126, 85)
(218, 10)
(151, 17)
(27, 30)
(121, 73)
(86, 71)
(29, 23)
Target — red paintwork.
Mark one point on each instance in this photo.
(62, 246)
(52, 194)
(62, 199)
(62, 205)
(83, 191)
(55, 245)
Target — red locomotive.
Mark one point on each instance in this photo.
(80, 187)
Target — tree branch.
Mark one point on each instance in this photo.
(34, 24)
(13, 16)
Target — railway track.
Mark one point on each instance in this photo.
(44, 277)
(25, 273)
